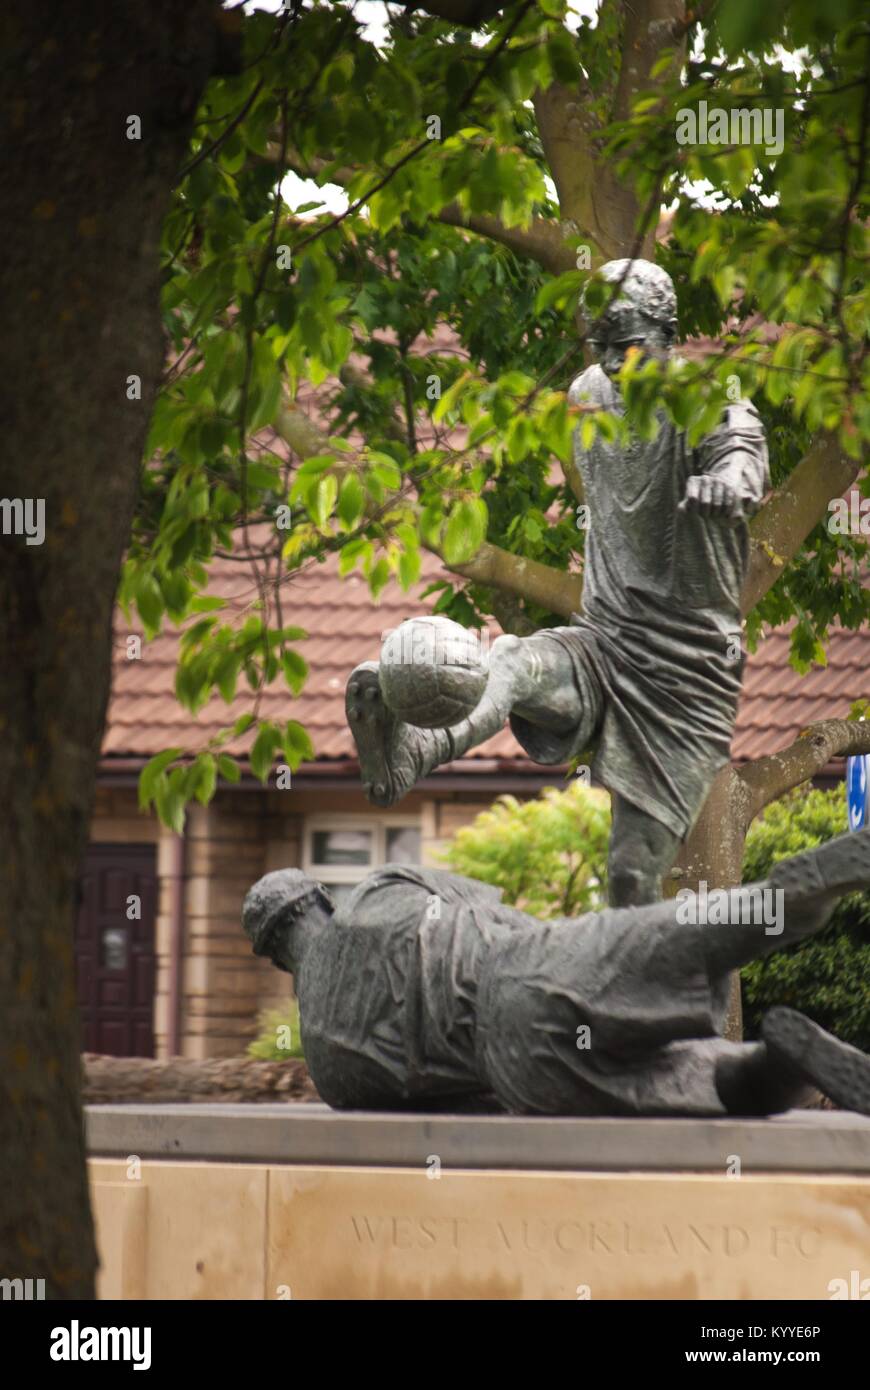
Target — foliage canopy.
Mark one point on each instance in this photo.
(451, 439)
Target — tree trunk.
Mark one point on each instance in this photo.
(184, 1080)
(713, 852)
(83, 206)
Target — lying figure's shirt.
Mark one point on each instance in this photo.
(387, 993)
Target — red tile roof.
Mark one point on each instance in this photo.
(346, 626)
(777, 702)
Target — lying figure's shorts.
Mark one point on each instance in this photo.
(602, 1015)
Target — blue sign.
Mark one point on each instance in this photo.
(857, 783)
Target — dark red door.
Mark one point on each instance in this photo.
(115, 949)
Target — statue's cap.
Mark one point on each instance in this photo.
(275, 898)
(643, 286)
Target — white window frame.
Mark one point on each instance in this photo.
(353, 873)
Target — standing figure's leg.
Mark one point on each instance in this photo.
(530, 674)
(642, 850)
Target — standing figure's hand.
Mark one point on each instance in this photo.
(711, 496)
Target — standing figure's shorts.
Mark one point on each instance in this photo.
(657, 703)
(542, 743)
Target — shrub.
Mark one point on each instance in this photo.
(549, 856)
(279, 1037)
(827, 978)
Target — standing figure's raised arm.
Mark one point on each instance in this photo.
(732, 463)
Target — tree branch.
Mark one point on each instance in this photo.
(542, 239)
(508, 613)
(566, 126)
(556, 590)
(769, 777)
(648, 27)
(783, 524)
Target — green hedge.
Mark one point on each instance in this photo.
(827, 978)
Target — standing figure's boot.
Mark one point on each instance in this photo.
(393, 756)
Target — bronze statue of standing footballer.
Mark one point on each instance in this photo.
(649, 676)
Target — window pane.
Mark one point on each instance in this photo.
(403, 844)
(342, 846)
(113, 948)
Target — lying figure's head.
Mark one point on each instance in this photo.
(275, 909)
(641, 313)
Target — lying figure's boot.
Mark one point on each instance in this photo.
(839, 1071)
(393, 756)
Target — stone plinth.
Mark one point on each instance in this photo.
(299, 1202)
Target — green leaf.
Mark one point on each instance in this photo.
(323, 500)
(379, 576)
(738, 22)
(264, 475)
(295, 670)
(351, 500)
(521, 439)
(151, 772)
(207, 779)
(563, 288)
(149, 601)
(386, 469)
(229, 768)
(297, 745)
(263, 752)
(410, 564)
(170, 797)
(465, 531)
(226, 674)
(354, 553)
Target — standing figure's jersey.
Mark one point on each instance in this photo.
(658, 648)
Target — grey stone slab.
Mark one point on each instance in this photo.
(800, 1141)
